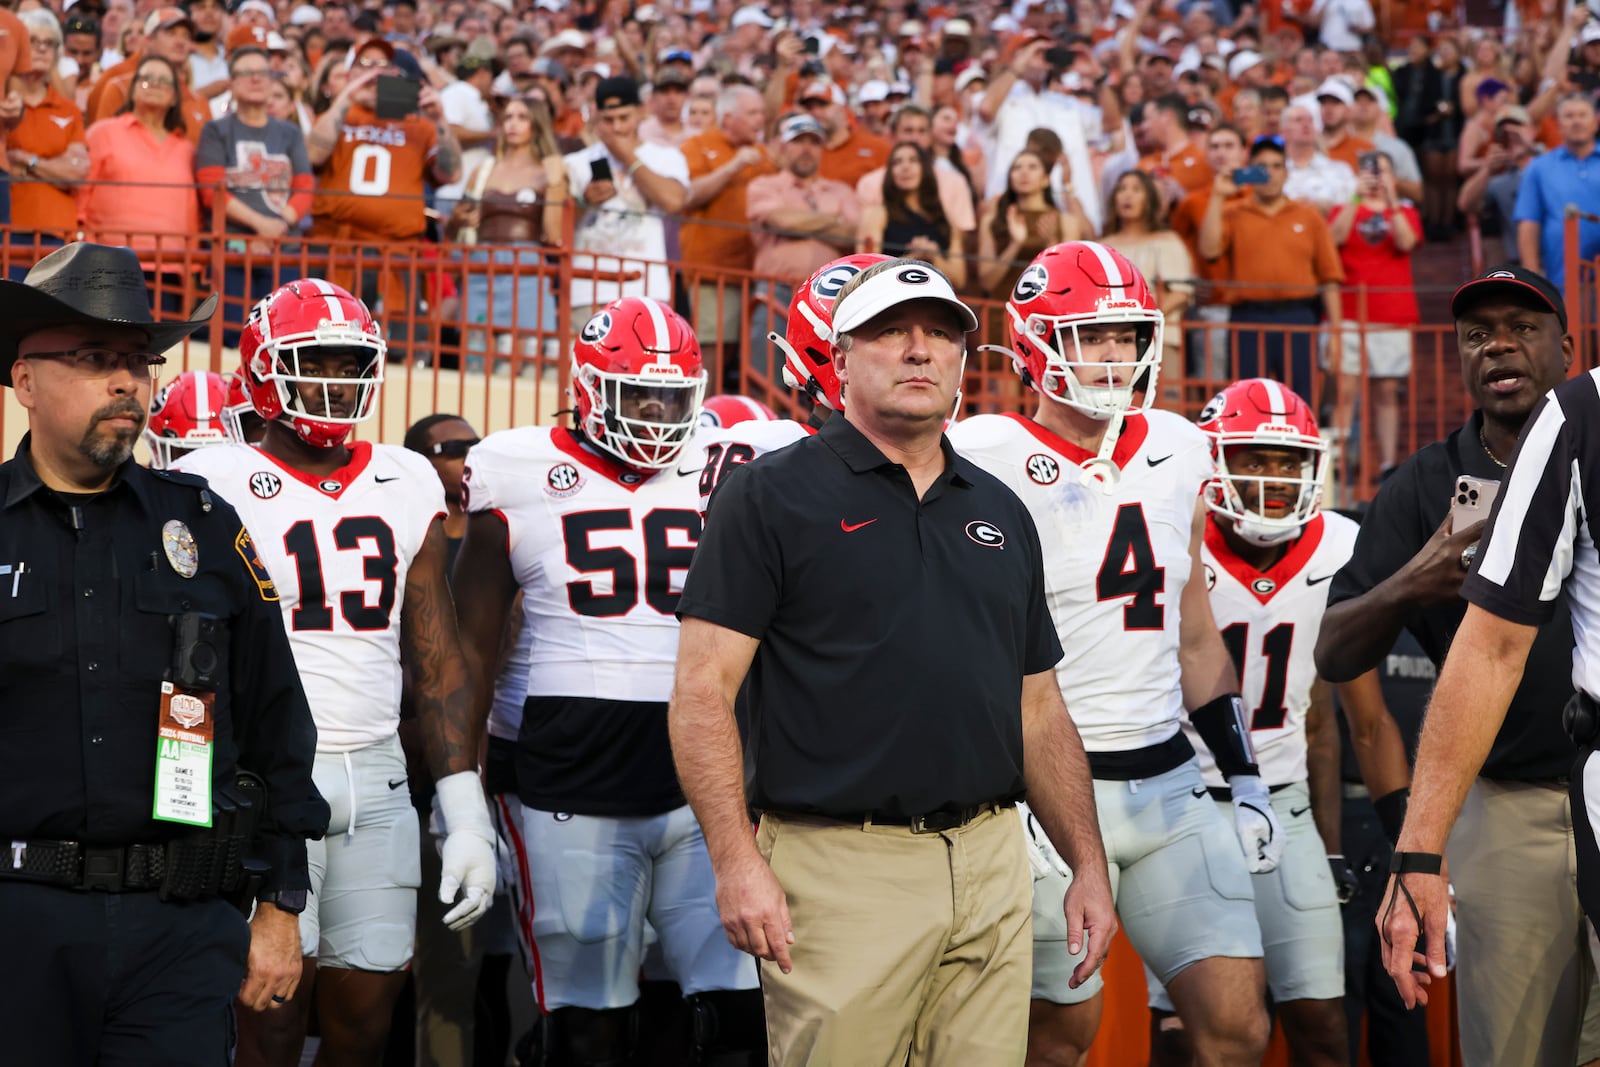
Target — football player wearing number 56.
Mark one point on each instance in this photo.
(596, 526)
(1114, 489)
(353, 534)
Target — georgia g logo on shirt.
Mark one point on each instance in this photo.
(986, 534)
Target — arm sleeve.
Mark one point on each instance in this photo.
(209, 164)
(1044, 646)
(1527, 548)
(735, 579)
(272, 721)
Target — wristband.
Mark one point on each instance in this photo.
(636, 165)
(1416, 863)
(1221, 726)
(1391, 808)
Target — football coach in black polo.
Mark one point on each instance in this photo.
(886, 599)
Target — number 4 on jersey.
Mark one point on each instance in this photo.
(1130, 570)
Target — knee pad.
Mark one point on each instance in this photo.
(587, 1037)
(730, 1028)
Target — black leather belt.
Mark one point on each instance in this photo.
(73, 865)
(934, 822)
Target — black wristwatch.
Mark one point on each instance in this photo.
(292, 901)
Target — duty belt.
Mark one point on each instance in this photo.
(72, 865)
(198, 867)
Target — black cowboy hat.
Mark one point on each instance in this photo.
(83, 284)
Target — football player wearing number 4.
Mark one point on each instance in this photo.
(1269, 554)
(596, 526)
(353, 534)
(1114, 490)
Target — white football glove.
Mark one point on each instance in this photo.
(1042, 855)
(1260, 834)
(468, 855)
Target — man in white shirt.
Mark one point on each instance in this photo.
(1313, 177)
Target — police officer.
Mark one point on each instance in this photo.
(143, 666)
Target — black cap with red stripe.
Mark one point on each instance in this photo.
(1513, 282)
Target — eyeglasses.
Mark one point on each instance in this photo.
(253, 72)
(103, 362)
(155, 83)
(452, 449)
(44, 42)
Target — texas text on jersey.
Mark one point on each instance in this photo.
(339, 548)
(599, 550)
(1133, 536)
(1270, 621)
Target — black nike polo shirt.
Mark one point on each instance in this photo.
(895, 632)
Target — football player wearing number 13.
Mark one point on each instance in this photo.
(354, 536)
(596, 525)
(1114, 488)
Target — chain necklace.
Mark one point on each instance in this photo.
(1498, 461)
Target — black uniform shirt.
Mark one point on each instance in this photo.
(1405, 513)
(86, 596)
(895, 633)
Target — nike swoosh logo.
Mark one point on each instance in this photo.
(1197, 792)
(1154, 462)
(1318, 581)
(397, 783)
(1297, 812)
(847, 528)
(691, 472)
(391, 478)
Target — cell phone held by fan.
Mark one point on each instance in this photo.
(600, 170)
(397, 97)
(1251, 175)
(1472, 501)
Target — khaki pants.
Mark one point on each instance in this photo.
(1525, 972)
(903, 943)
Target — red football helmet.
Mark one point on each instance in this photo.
(1262, 413)
(807, 346)
(186, 414)
(730, 409)
(236, 407)
(311, 320)
(1070, 286)
(637, 382)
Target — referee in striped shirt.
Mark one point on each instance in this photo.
(1538, 539)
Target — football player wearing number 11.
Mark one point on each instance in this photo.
(1114, 488)
(353, 535)
(596, 526)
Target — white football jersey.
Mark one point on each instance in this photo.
(1115, 563)
(1270, 621)
(728, 449)
(600, 553)
(338, 548)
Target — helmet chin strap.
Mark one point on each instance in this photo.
(1102, 472)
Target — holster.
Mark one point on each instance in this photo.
(1581, 718)
(221, 861)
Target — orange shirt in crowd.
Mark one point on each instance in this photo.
(855, 158)
(372, 184)
(113, 92)
(46, 130)
(161, 198)
(1185, 222)
(16, 57)
(794, 257)
(1287, 255)
(1187, 166)
(715, 234)
(1349, 149)
(98, 90)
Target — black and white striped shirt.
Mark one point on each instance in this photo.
(1542, 533)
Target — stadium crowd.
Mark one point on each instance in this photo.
(711, 172)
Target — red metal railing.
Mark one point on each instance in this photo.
(445, 360)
